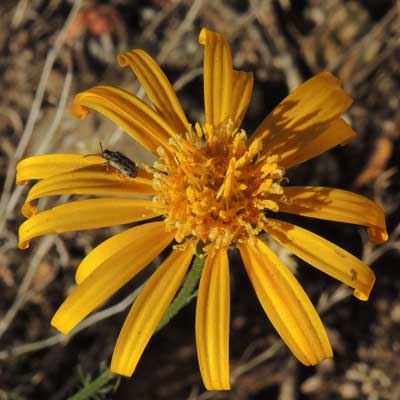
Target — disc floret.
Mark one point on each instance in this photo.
(215, 186)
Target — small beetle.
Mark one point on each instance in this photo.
(119, 161)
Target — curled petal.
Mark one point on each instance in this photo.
(157, 86)
(147, 311)
(324, 255)
(86, 214)
(129, 112)
(93, 181)
(335, 205)
(48, 165)
(286, 304)
(218, 77)
(140, 245)
(212, 321)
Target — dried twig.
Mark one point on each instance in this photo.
(34, 112)
(183, 28)
(16, 195)
(257, 360)
(186, 78)
(164, 13)
(60, 338)
(264, 12)
(378, 160)
(23, 290)
(377, 31)
(288, 388)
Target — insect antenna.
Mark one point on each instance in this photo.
(96, 154)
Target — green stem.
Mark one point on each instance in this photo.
(186, 293)
(184, 296)
(94, 387)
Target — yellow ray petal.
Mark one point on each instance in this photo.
(299, 148)
(86, 214)
(157, 86)
(306, 123)
(141, 245)
(218, 77)
(47, 165)
(94, 181)
(335, 205)
(134, 240)
(324, 255)
(286, 304)
(241, 95)
(129, 112)
(316, 102)
(147, 311)
(212, 321)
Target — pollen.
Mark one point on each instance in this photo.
(215, 187)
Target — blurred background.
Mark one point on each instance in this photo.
(50, 50)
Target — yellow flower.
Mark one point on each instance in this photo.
(215, 187)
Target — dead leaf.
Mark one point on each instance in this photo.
(379, 158)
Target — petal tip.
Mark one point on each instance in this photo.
(377, 236)
(19, 178)
(349, 140)
(28, 210)
(24, 244)
(329, 76)
(323, 358)
(117, 367)
(77, 109)
(122, 59)
(363, 294)
(79, 278)
(81, 273)
(203, 36)
(20, 182)
(225, 386)
(61, 324)
(360, 295)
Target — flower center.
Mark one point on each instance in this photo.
(215, 187)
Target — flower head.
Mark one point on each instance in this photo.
(214, 186)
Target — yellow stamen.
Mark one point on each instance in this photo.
(218, 188)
